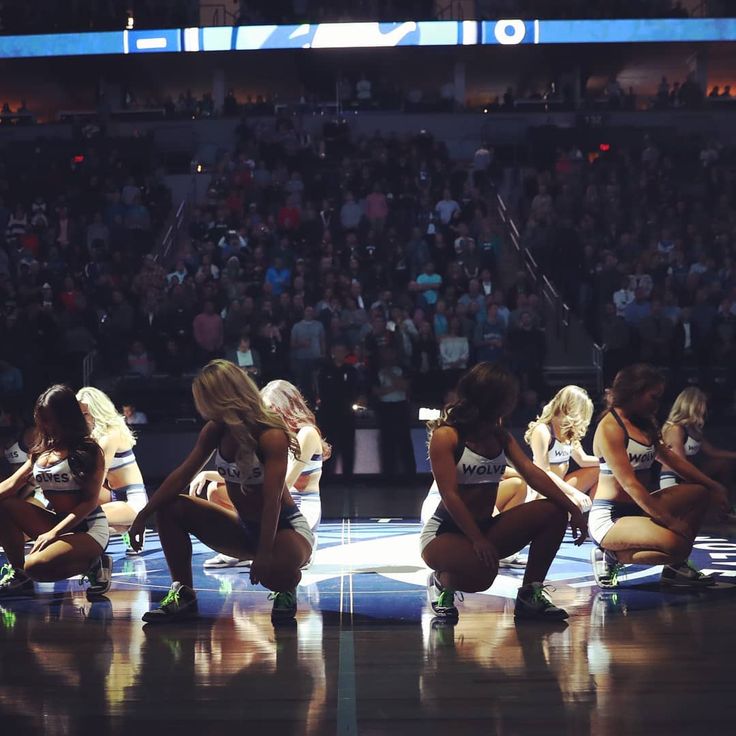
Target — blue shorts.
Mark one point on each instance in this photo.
(289, 518)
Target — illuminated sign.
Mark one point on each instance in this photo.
(510, 32)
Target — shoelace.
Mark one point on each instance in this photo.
(283, 599)
(689, 564)
(126, 540)
(614, 573)
(540, 595)
(7, 573)
(171, 597)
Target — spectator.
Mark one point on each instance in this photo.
(490, 337)
(139, 362)
(208, 331)
(245, 357)
(134, 417)
(338, 389)
(428, 283)
(526, 348)
(307, 350)
(351, 213)
(390, 389)
(446, 208)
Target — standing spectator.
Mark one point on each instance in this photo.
(307, 349)
(376, 209)
(490, 337)
(351, 213)
(446, 208)
(655, 333)
(338, 389)
(454, 350)
(394, 421)
(208, 331)
(278, 276)
(428, 284)
(139, 362)
(526, 347)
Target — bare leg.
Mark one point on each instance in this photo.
(217, 493)
(511, 493)
(457, 566)
(18, 520)
(639, 540)
(584, 479)
(215, 526)
(72, 554)
(540, 522)
(120, 515)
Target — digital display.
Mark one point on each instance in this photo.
(510, 32)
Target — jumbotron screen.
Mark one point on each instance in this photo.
(509, 32)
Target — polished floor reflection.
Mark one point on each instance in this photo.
(364, 656)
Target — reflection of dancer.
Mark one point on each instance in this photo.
(71, 536)
(303, 472)
(683, 434)
(462, 542)
(555, 437)
(628, 522)
(124, 494)
(251, 443)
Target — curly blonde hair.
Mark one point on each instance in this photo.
(572, 408)
(225, 394)
(107, 417)
(287, 400)
(689, 409)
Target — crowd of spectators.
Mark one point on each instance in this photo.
(76, 220)
(381, 246)
(641, 239)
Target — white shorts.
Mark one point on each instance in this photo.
(96, 526)
(310, 505)
(604, 514)
(667, 480)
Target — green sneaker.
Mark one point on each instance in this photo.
(7, 618)
(15, 583)
(686, 575)
(441, 599)
(99, 576)
(284, 605)
(606, 568)
(129, 551)
(180, 603)
(532, 602)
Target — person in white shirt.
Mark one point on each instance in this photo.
(132, 416)
(446, 207)
(623, 297)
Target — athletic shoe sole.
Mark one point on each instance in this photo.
(225, 565)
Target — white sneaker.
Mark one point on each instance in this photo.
(221, 560)
(606, 568)
(513, 562)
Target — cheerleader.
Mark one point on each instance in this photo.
(462, 541)
(631, 522)
(555, 437)
(124, 493)
(251, 444)
(683, 434)
(70, 536)
(303, 472)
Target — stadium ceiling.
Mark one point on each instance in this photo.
(510, 32)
